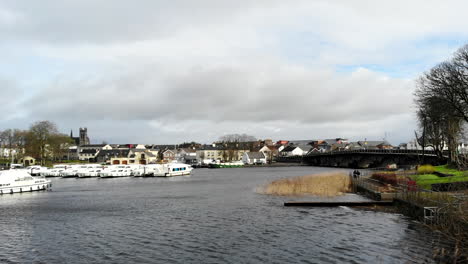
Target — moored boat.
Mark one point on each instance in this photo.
(55, 171)
(36, 170)
(89, 170)
(235, 164)
(154, 170)
(176, 169)
(19, 180)
(138, 170)
(116, 171)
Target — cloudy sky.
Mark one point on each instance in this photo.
(172, 71)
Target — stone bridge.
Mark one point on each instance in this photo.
(371, 158)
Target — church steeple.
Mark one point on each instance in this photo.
(71, 133)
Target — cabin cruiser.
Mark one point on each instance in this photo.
(138, 170)
(116, 171)
(36, 170)
(154, 170)
(89, 170)
(55, 171)
(164, 170)
(19, 180)
(72, 170)
(176, 169)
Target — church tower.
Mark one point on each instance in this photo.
(84, 139)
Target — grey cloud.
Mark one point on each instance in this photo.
(10, 96)
(90, 21)
(228, 94)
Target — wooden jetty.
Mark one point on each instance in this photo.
(334, 204)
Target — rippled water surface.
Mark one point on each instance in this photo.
(212, 216)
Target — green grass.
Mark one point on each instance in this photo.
(425, 180)
(446, 169)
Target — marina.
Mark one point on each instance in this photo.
(112, 171)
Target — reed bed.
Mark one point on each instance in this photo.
(325, 184)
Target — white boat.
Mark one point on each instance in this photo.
(55, 171)
(72, 170)
(19, 180)
(138, 170)
(36, 170)
(116, 171)
(154, 170)
(89, 170)
(176, 169)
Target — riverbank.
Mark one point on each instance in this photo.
(277, 164)
(445, 212)
(268, 165)
(429, 175)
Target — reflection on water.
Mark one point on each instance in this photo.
(211, 216)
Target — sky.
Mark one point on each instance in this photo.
(164, 72)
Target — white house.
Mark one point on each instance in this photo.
(6, 152)
(462, 147)
(87, 154)
(254, 158)
(292, 150)
(414, 145)
(265, 149)
(184, 154)
(140, 146)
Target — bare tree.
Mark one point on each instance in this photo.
(6, 138)
(432, 120)
(449, 82)
(59, 145)
(237, 138)
(442, 101)
(19, 140)
(39, 138)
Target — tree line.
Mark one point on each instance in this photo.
(41, 141)
(441, 98)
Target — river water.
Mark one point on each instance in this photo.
(212, 216)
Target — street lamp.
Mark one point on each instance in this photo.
(424, 138)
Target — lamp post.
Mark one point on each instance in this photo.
(424, 138)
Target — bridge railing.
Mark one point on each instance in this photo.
(374, 151)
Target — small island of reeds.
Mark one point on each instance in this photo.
(325, 184)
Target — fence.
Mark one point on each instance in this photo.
(374, 151)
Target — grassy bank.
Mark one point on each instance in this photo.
(425, 180)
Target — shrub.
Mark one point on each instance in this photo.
(387, 178)
(426, 169)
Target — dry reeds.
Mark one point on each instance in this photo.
(327, 184)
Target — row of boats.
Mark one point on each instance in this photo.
(111, 171)
(33, 178)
